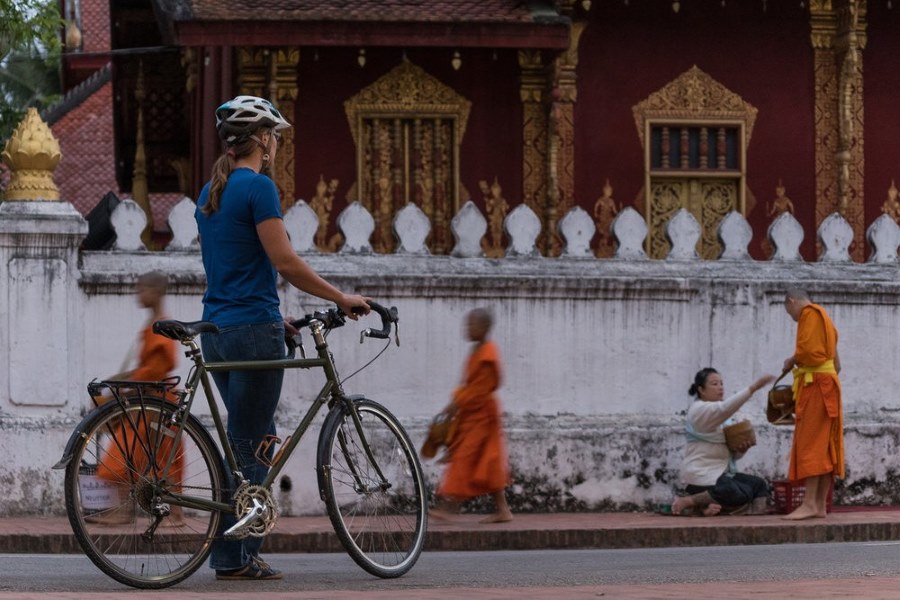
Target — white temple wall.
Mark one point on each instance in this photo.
(598, 356)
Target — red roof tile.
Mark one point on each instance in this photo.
(95, 25)
(364, 10)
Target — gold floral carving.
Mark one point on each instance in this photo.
(535, 125)
(252, 66)
(838, 39)
(272, 74)
(561, 168)
(32, 154)
(408, 90)
(694, 95)
(496, 207)
(408, 127)
(826, 92)
(283, 92)
(605, 211)
(891, 206)
(322, 204)
(850, 156)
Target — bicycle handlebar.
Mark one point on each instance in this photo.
(388, 316)
(335, 317)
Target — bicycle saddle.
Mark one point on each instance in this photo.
(181, 330)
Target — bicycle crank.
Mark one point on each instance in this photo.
(256, 510)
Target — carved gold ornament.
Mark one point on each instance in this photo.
(408, 127)
(496, 207)
(272, 73)
(605, 211)
(407, 90)
(32, 154)
(322, 204)
(694, 96)
(694, 106)
(891, 206)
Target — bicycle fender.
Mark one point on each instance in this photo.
(322, 452)
(70, 445)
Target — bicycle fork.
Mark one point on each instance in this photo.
(351, 464)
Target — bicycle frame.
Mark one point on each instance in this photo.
(330, 392)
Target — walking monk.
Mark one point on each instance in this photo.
(817, 453)
(157, 358)
(477, 454)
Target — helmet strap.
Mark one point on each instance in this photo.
(265, 156)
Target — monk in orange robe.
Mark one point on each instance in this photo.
(477, 454)
(157, 358)
(817, 453)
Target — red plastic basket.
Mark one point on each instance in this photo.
(789, 495)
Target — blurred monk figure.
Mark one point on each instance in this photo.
(156, 359)
(477, 454)
(817, 453)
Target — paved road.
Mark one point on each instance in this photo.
(870, 570)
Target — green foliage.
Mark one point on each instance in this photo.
(29, 58)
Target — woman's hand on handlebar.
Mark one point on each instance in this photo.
(289, 329)
(353, 305)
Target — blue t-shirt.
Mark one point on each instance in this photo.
(240, 278)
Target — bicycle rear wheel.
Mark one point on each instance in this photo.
(380, 521)
(122, 460)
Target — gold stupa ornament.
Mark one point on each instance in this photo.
(31, 154)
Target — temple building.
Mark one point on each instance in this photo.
(756, 106)
(629, 185)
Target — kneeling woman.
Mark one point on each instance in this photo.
(709, 471)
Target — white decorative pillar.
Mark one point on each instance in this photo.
(40, 322)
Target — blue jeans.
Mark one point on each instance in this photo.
(250, 398)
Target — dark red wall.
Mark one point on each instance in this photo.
(881, 86)
(492, 145)
(629, 52)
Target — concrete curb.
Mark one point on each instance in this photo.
(529, 532)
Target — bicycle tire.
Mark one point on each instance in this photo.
(382, 528)
(117, 461)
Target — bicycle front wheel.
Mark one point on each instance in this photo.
(373, 488)
(124, 459)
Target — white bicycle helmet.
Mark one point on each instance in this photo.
(238, 118)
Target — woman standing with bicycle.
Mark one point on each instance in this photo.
(244, 245)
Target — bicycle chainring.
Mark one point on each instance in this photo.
(243, 502)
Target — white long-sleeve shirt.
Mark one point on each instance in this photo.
(705, 461)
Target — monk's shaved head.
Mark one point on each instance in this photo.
(482, 317)
(795, 300)
(155, 280)
(478, 324)
(795, 293)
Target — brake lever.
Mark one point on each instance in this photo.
(298, 341)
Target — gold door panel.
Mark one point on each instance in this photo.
(709, 200)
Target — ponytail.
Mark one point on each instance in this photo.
(223, 167)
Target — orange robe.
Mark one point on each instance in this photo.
(477, 454)
(157, 359)
(818, 446)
